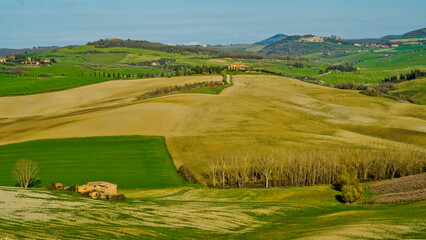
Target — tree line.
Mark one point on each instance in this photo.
(342, 68)
(178, 88)
(307, 168)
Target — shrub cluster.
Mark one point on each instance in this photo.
(177, 88)
(350, 187)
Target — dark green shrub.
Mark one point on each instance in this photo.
(343, 180)
(351, 193)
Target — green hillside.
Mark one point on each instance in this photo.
(130, 162)
(416, 33)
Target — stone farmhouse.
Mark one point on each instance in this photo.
(99, 186)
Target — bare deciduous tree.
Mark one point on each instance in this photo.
(267, 164)
(25, 172)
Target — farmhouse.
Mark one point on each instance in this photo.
(45, 60)
(238, 66)
(99, 186)
(59, 186)
(2, 60)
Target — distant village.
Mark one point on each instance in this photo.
(375, 45)
(22, 59)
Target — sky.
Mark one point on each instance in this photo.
(29, 23)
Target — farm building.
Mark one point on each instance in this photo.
(99, 186)
(59, 186)
(2, 60)
(238, 66)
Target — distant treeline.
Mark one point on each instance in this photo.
(178, 88)
(184, 50)
(175, 71)
(406, 77)
(311, 167)
(342, 68)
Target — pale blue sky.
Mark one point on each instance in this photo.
(28, 23)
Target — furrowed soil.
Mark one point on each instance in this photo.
(409, 188)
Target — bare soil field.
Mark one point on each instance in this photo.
(410, 188)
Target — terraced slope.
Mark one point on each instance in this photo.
(257, 112)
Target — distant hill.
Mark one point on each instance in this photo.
(301, 45)
(184, 50)
(416, 33)
(272, 39)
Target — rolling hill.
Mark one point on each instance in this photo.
(258, 112)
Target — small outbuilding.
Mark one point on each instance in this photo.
(59, 186)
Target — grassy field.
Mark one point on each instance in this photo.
(187, 213)
(414, 88)
(63, 76)
(130, 162)
(85, 65)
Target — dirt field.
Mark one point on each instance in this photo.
(257, 112)
(410, 188)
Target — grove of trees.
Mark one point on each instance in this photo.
(307, 168)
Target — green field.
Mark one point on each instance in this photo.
(130, 162)
(63, 76)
